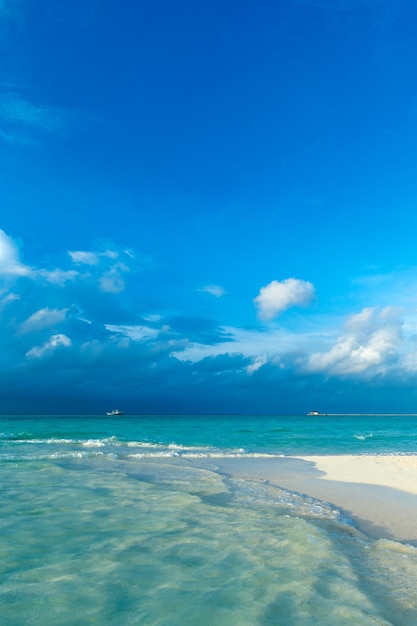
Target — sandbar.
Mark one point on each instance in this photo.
(377, 492)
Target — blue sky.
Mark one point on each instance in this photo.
(208, 206)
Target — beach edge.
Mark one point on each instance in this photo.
(377, 492)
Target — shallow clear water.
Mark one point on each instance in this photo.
(129, 521)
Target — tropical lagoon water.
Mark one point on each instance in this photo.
(130, 520)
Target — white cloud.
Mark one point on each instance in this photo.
(9, 258)
(136, 333)
(257, 363)
(56, 341)
(111, 254)
(81, 256)
(110, 265)
(106, 269)
(279, 296)
(11, 297)
(111, 282)
(129, 253)
(57, 276)
(214, 290)
(253, 344)
(44, 318)
(11, 267)
(153, 317)
(371, 343)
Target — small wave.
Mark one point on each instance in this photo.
(64, 441)
(153, 455)
(232, 455)
(52, 440)
(93, 443)
(42, 457)
(238, 454)
(177, 446)
(59, 454)
(141, 444)
(96, 443)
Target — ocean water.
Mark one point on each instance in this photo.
(129, 520)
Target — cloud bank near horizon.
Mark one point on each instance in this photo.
(53, 336)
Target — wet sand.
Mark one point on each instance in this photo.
(379, 493)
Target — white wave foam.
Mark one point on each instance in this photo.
(93, 443)
(205, 455)
(141, 444)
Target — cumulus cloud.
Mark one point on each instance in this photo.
(370, 344)
(54, 342)
(78, 322)
(43, 318)
(214, 290)
(10, 266)
(278, 296)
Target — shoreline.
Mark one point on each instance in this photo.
(378, 493)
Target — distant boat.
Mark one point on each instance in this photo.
(115, 412)
(315, 413)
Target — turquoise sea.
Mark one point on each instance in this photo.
(130, 520)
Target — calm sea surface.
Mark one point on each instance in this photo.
(128, 520)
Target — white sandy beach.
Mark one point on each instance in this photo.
(398, 472)
(378, 492)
